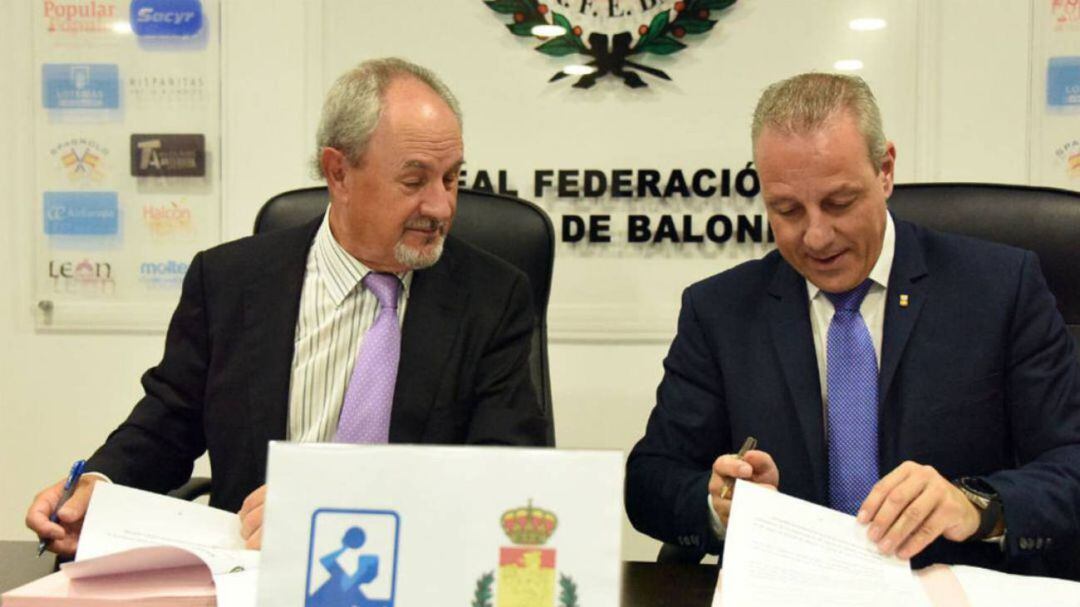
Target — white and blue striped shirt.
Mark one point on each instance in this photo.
(335, 313)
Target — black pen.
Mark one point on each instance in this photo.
(69, 488)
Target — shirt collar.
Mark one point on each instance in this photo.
(879, 274)
(339, 271)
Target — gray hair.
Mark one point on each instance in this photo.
(802, 104)
(353, 104)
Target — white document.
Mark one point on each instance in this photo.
(120, 518)
(986, 588)
(783, 551)
(423, 526)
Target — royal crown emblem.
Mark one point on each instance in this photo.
(526, 573)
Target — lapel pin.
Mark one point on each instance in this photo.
(903, 300)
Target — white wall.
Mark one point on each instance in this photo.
(61, 393)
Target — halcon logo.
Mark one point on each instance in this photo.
(169, 219)
(162, 275)
(82, 277)
(168, 156)
(79, 17)
(166, 17)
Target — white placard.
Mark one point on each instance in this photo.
(441, 526)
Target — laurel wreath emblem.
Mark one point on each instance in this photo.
(664, 35)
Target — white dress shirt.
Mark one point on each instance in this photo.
(335, 313)
(821, 315)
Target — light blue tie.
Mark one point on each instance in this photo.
(853, 403)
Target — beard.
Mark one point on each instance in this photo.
(428, 253)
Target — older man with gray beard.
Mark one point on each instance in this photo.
(368, 325)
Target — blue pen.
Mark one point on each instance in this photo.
(69, 488)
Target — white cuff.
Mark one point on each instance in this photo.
(718, 528)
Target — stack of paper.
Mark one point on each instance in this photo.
(139, 548)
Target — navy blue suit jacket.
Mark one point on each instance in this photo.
(979, 377)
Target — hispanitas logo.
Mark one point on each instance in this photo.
(85, 277)
(167, 274)
(79, 17)
(166, 18)
(83, 161)
(169, 219)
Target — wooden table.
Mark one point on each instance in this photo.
(643, 584)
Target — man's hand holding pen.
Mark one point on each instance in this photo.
(62, 536)
(749, 464)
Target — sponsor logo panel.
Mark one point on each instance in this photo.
(168, 155)
(166, 18)
(85, 86)
(82, 277)
(79, 16)
(83, 161)
(166, 274)
(81, 213)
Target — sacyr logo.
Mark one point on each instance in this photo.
(166, 18)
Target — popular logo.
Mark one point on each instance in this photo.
(526, 569)
(82, 277)
(162, 274)
(166, 18)
(168, 156)
(352, 558)
(1065, 15)
(79, 17)
(170, 219)
(610, 47)
(82, 160)
(87, 86)
(81, 213)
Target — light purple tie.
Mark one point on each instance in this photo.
(365, 412)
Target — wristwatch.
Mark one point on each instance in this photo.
(986, 500)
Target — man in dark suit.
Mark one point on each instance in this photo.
(921, 381)
(368, 325)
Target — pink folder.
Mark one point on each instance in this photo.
(160, 576)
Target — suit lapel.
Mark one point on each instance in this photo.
(432, 319)
(906, 278)
(789, 323)
(271, 307)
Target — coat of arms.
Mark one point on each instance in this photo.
(526, 576)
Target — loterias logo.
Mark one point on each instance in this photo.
(168, 155)
(79, 17)
(80, 86)
(84, 277)
(84, 161)
(166, 18)
(612, 36)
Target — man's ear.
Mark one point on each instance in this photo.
(888, 168)
(334, 166)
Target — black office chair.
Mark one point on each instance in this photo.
(510, 228)
(1043, 220)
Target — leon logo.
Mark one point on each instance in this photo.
(352, 558)
(526, 570)
(82, 160)
(79, 17)
(86, 86)
(168, 156)
(168, 219)
(166, 18)
(82, 277)
(610, 37)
